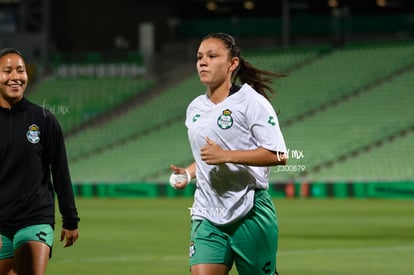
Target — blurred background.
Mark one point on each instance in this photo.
(119, 75)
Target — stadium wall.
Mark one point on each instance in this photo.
(403, 189)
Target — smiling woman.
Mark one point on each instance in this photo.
(13, 78)
(30, 141)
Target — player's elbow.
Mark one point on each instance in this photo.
(281, 158)
(282, 162)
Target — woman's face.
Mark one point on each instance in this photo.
(214, 65)
(13, 79)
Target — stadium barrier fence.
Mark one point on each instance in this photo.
(402, 189)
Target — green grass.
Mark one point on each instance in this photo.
(317, 236)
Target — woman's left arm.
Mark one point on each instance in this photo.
(214, 154)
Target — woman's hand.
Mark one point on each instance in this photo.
(180, 171)
(71, 236)
(212, 153)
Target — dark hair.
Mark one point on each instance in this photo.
(259, 79)
(10, 50)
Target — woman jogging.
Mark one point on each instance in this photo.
(34, 167)
(235, 137)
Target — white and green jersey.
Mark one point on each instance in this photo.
(243, 121)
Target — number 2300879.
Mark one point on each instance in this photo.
(289, 168)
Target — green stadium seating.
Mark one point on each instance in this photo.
(149, 116)
(146, 158)
(389, 162)
(338, 74)
(371, 117)
(77, 100)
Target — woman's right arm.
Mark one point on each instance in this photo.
(180, 170)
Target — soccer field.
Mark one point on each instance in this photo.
(317, 236)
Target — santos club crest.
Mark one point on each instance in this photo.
(33, 135)
(225, 121)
